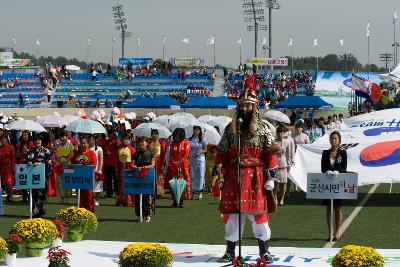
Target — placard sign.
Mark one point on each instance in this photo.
(268, 61)
(135, 185)
(29, 177)
(77, 176)
(322, 186)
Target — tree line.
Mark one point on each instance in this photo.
(330, 62)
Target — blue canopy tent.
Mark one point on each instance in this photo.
(210, 102)
(303, 102)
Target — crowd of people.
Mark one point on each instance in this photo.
(110, 154)
(271, 88)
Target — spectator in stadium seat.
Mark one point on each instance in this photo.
(108, 104)
(94, 75)
(21, 100)
(70, 102)
(49, 92)
(97, 103)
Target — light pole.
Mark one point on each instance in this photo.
(386, 58)
(395, 48)
(120, 22)
(271, 4)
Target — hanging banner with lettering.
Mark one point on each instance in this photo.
(135, 185)
(268, 61)
(373, 153)
(78, 176)
(15, 63)
(187, 62)
(387, 118)
(136, 61)
(29, 177)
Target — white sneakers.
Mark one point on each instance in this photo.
(96, 203)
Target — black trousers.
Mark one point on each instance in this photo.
(39, 199)
(111, 180)
(146, 205)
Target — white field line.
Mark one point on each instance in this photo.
(353, 215)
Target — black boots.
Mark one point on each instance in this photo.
(230, 252)
(264, 252)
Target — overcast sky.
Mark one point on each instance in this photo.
(63, 27)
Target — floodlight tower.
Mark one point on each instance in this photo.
(253, 12)
(120, 22)
(271, 4)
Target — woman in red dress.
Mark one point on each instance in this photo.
(125, 154)
(52, 183)
(85, 156)
(178, 162)
(7, 163)
(25, 144)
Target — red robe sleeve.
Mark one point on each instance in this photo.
(13, 156)
(132, 149)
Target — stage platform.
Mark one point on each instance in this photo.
(105, 254)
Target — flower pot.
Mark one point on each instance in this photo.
(75, 236)
(57, 242)
(11, 259)
(35, 249)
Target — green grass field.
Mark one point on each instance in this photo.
(299, 223)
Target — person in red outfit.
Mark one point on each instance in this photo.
(24, 145)
(256, 200)
(110, 148)
(178, 162)
(7, 163)
(85, 156)
(125, 154)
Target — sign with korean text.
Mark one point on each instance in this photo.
(268, 61)
(29, 177)
(323, 186)
(78, 176)
(135, 185)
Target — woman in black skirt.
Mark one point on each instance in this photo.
(334, 160)
(142, 161)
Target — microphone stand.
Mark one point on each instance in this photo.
(239, 193)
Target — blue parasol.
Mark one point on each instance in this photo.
(178, 185)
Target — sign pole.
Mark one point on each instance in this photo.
(141, 205)
(331, 223)
(78, 194)
(30, 203)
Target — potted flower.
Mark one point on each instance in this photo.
(37, 234)
(78, 222)
(145, 255)
(354, 256)
(13, 245)
(60, 227)
(3, 248)
(58, 257)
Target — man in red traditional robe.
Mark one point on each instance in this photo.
(256, 202)
(85, 156)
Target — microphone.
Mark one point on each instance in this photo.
(239, 124)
